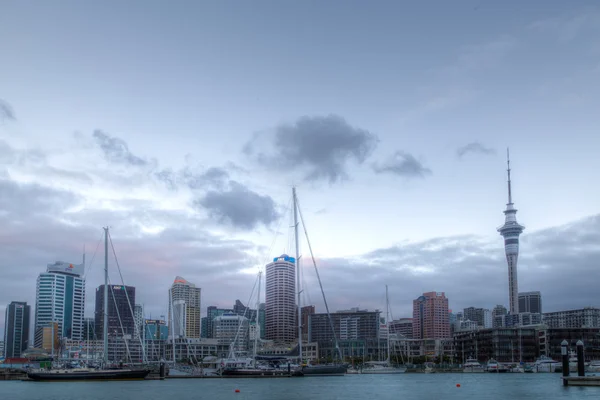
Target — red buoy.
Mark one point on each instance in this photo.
(458, 385)
(237, 390)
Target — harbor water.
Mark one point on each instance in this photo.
(403, 386)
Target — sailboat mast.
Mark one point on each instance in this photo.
(387, 321)
(299, 312)
(105, 319)
(257, 325)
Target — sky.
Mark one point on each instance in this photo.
(184, 125)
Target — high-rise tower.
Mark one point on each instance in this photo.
(511, 231)
(184, 309)
(60, 299)
(280, 316)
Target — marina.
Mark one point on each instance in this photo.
(405, 386)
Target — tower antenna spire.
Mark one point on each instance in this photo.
(508, 170)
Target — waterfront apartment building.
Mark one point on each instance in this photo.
(280, 303)
(188, 294)
(1, 349)
(357, 332)
(430, 316)
(16, 329)
(60, 298)
(121, 303)
(352, 324)
(550, 339)
(229, 328)
(530, 302)
(502, 344)
(588, 317)
(402, 327)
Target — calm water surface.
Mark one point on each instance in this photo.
(349, 387)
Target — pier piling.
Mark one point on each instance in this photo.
(564, 351)
(580, 359)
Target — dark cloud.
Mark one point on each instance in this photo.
(6, 111)
(116, 150)
(474, 147)
(402, 164)
(320, 147)
(239, 206)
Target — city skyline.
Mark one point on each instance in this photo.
(188, 148)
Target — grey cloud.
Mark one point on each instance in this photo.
(7, 153)
(213, 177)
(23, 200)
(561, 262)
(474, 147)
(116, 150)
(402, 164)
(38, 227)
(168, 177)
(321, 147)
(239, 206)
(6, 111)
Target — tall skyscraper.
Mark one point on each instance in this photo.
(530, 302)
(511, 230)
(121, 303)
(280, 300)
(430, 316)
(60, 298)
(187, 298)
(16, 329)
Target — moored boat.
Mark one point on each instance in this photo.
(473, 366)
(82, 374)
(324, 370)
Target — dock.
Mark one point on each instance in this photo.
(581, 380)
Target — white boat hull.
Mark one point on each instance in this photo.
(383, 371)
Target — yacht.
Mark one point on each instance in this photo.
(594, 366)
(495, 366)
(473, 366)
(375, 367)
(546, 364)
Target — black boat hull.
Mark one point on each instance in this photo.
(325, 370)
(249, 372)
(102, 375)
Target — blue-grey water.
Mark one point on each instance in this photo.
(349, 387)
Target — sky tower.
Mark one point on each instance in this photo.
(511, 231)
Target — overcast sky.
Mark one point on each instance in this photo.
(183, 126)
